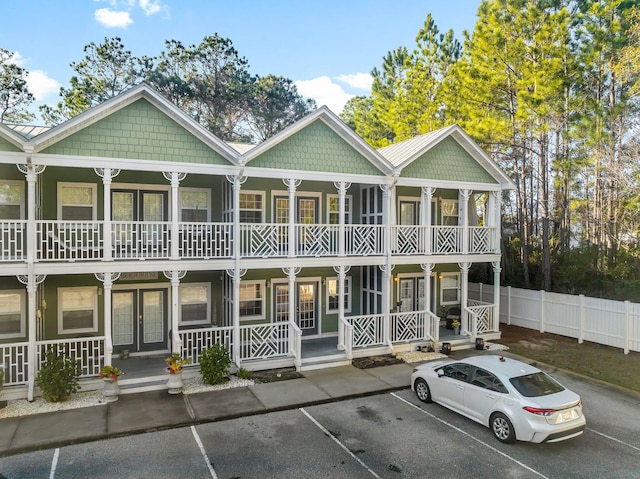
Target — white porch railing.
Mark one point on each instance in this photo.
(195, 340)
(13, 244)
(84, 240)
(141, 240)
(317, 240)
(346, 332)
(364, 240)
(14, 359)
(479, 318)
(295, 344)
(482, 239)
(264, 240)
(205, 240)
(264, 341)
(69, 240)
(447, 239)
(88, 351)
(414, 326)
(368, 330)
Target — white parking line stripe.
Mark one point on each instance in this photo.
(54, 463)
(204, 453)
(469, 436)
(323, 429)
(614, 439)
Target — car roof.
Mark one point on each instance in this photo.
(500, 364)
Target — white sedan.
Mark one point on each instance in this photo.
(515, 400)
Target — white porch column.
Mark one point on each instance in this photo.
(291, 277)
(236, 275)
(427, 268)
(342, 187)
(31, 280)
(107, 282)
(495, 207)
(175, 277)
(464, 280)
(292, 184)
(107, 175)
(342, 273)
(175, 178)
(427, 198)
(463, 211)
(387, 296)
(496, 295)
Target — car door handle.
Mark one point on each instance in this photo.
(491, 396)
(460, 387)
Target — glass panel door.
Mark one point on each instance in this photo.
(406, 295)
(139, 320)
(281, 302)
(409, 212)
(306, 310)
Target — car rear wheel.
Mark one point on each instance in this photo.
(422, 390)
(502, 428)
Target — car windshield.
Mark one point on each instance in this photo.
(536, 384)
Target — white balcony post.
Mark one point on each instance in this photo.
(236, 274)
(31, 173)
(175, 277)
(464, 213)
(31, 281)
(342, 187)
(464, 280)
(387, 297)
(107, 175)
(291, 276)
(107, 283)
(427, 198)
(427, 268)
(175, 178)
(292, 184)
(496, 295)
(495, 199)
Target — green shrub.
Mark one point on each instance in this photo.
(1, 377)
(58, 376)
(243, 373)
(214, 364)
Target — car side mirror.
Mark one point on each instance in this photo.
(440, 373)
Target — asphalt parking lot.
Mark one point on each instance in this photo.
(389, 435)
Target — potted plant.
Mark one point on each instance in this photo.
(456, 326)
(175, 365)
(110, 375)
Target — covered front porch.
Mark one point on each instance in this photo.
(257, 347)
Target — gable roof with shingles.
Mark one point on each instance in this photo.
(299, 145)
(441, 155)
(120, 102)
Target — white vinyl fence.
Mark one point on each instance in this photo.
(602, 321)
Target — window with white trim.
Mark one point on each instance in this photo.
(76, 201)
(194, 303)
(251, 206)
(333, 209)
(333, 298)
(450, 288)
(195, 205)
(252, 305)
(12, 313)
(11, 199)
(78, 310)
(449, 211)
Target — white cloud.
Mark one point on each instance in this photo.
(41, 85)
(111, 18)
(150, 6)
(360, 81)
(325, 92)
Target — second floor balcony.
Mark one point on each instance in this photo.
(55, 240)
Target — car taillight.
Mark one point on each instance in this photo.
(539, 411)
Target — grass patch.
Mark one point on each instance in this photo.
(604, 363)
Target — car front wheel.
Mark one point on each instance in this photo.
(502, 428)
(422, 390)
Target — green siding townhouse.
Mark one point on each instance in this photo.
(130, 230)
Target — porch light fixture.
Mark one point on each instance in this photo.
(268, 284)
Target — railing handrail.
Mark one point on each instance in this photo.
(348, 337)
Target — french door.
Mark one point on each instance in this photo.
(411, 294)
(139, 319)
(306, 213)
(306, 310)
(150, 209)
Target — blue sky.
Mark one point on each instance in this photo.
(328, 47)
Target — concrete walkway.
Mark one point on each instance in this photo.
(144, 412)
